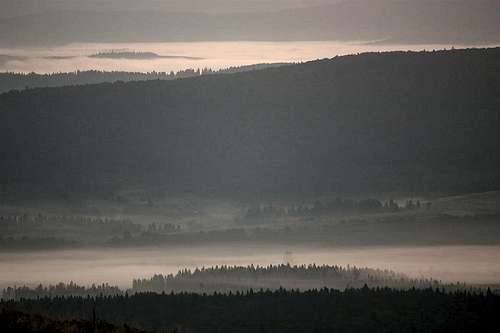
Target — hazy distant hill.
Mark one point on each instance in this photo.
(138, 55)
(19, 81)
(393, 21)
(402, 120)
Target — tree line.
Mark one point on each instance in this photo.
(19, 322)
(241, 278)
(322, 310)
(231, 279)
(339, 205)
(20, 81)
(27, 220)
(59, 290)
(36, 231)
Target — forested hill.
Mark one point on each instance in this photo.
(389, 121)
(19, 81)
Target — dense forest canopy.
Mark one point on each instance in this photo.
(389, 121)
(303, 277)
(325, 310)
(18, 322)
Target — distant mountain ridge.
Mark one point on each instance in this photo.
(413, 121)
(462, 21)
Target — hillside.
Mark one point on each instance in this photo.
(373, 122)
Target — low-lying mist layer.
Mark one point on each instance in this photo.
(139, 234)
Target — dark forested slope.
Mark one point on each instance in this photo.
(402, 120)
(18, 322)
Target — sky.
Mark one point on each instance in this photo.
(12, 8)
(59, 22)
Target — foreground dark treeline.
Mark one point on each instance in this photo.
(18, 322)
(325, 310)
(371, 122)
